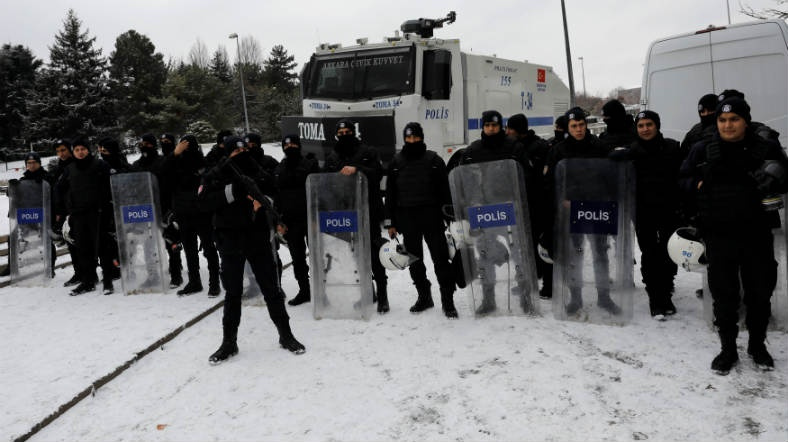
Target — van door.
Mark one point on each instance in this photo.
(677, 69)
(754, 60)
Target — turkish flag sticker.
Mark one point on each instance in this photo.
(540, 75)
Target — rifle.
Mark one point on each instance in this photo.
(254, 191)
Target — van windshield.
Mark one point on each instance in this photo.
(361, 75)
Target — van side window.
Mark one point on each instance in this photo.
(436, 79)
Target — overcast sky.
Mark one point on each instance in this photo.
(611, 35)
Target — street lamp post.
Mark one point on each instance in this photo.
(568, 59)
(583, 71)
(241, 74)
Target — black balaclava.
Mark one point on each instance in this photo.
(167, 142)
(707, 102)
(346, 143)
(292, 153)
(412, 150)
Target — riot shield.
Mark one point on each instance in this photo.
(135, 197)
(29, 241)
(339, 243)
(498, 256)
(779, 318)
(593, 258)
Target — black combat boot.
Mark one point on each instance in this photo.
(304, 294)
(729, 356)
(424, 301)
(74, 280)
(228, 349)
(668, 306)
(756, 348)
(760, 356)
(176, 280)
(108, 288)
(83, 288)
(447, 302)
(488, 300)
(193, 286)
(214, 288)
(575, 302)
(605, 302)
(383, 297)
(656, 304)
(175, 269)
(288, 341)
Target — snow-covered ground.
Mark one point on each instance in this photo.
(398, 376)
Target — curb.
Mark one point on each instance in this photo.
(100, 382)
(91, 389)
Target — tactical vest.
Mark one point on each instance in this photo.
(85, 192)
(414, 180)
(728, 198)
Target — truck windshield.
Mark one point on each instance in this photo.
(361, 75)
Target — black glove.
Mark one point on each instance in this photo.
(764, 182)
(769, 177)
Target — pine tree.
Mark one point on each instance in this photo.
(18, 70)
(220, 65)
(192, 93)
(72, 97)
(278, 69)
(137, 74)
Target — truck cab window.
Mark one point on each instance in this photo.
(361, 75)
(436, 80)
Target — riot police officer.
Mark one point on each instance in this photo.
(657, 161)
(86, 197)
(536, 149)
(151, 161)
(417, 191)
(290, 176)
(731, 177)
(184, 168)
(495, 145)
(350, 156)
(579, 144)
(242, 231)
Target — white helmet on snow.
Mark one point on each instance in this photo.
(393, 256)
(686, 249)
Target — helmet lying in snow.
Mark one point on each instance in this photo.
(393, 256)
(686, 249)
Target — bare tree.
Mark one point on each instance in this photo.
(198, 55)
(780, 12)
(251, 52)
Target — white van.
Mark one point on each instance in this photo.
(749, 57)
